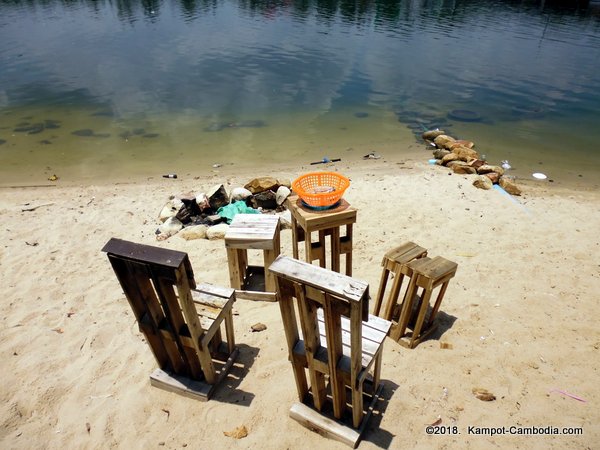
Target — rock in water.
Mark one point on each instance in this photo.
(440, 153)
(430, 135)
(217, 196)
(444, 141)
(465, 153)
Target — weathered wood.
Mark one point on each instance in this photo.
(427, 274)
(334, 429)
(252, 231)
(327, 223)
(182, 325)
(331, 308)
(256, 296)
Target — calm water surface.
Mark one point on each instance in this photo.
(92, 89)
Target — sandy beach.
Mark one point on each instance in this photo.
(520, 316)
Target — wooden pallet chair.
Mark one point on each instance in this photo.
(341, 344)
(180, 319)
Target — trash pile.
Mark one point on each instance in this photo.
(208, 215)
(458, 155)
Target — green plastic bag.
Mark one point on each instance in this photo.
(228, 212)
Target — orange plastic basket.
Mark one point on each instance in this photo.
(320, 190)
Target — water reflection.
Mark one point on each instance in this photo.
(207, 64)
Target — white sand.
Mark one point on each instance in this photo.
(521, 315)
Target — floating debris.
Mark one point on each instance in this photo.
(539, 176)
(505, 165)
(361, 114)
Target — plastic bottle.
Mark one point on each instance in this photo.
(170, 175)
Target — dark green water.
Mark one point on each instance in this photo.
(99, 89)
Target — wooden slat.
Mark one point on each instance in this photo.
(350, 289)
(145, 253)
(334, 429)
(254, 231)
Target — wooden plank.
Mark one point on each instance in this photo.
(333, 331)
(252, 231)
(217, 291)
(235, 275)
(334, 429)
(197, 390)
(256, 296)
(356, 361)
(333, 283)
(312, 343)
(145, 253)
(290, 327)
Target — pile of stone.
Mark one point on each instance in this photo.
(458, 155)
(196, 216)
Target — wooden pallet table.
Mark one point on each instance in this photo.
(306, 221)
(252, 231)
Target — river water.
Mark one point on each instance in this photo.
(104, 89)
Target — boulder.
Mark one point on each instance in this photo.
(193, 232)
(462, 143)
(217, 196)
(492, 176)
(170, 209)
(465, 153)
(284, 182)
(463, 169)
(483, 182)
(509, 186)
(449, 157)
(456, 162)
(440, 153)
(477, 163)
(239, 193)
(430, 135)
(444, 141)
(264, 200)
(487, 168)
(167, 229)
(282, 193)
(217, 232)
(262, 184)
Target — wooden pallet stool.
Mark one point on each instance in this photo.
(394, 262)
(341, 344)
(328, 222)
(428, 274)
(180, 320)
(252, 231)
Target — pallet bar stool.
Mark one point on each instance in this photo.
(252, 231)
(328, 222)
(428, 274)
(181, 320)
(394, 262)
(340, 345)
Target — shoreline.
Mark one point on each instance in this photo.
(520, 316)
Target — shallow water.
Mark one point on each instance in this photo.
(156, 87)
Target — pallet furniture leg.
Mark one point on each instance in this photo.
(381, 292)
(234, 268)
